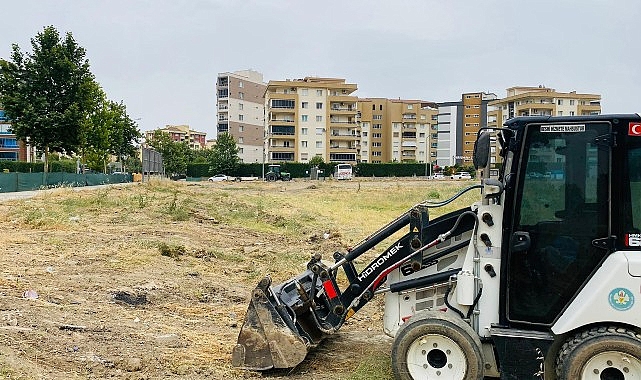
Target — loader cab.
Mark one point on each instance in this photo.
(557, 213)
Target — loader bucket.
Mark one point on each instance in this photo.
(268, 338)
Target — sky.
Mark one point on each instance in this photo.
(162, 57)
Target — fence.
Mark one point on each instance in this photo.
(12, 182)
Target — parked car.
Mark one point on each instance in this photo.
(218, 178)
(438, 176)
(461, 175)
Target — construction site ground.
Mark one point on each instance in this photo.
(152, 280)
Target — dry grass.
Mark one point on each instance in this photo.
(193, 251)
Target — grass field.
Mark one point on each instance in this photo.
(152, 280)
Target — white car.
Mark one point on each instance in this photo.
(438, 176)
(218, 178)
(461, 175)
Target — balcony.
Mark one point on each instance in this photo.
(281, 148)
(588, 109)
(342, 122)
(223, 107)
(281, 156)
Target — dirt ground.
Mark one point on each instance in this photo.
(87, 292)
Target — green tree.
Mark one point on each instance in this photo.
(175, 155)
(316, 161)
(48, 93)
(224, 155)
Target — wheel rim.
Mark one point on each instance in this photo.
(436, 356)
(612, 365)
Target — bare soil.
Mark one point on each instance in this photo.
(86, 292)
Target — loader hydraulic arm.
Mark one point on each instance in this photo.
(300, 312)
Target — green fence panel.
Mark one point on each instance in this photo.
(72, 179)
(31, 181)
(8, 182)
(97, 179)
(54, 179)
(121, 178)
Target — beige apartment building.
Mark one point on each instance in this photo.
(542, 101)
(240, 105)
(179, 133)
(539, 101)
(312, 117)
(397, 130)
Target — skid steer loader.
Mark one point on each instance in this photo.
(540, 279)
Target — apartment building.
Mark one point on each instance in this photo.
(179, 133)
(542, 101)
(458, 124)
(312, 117)
(539, 101)
(240, 104)
(397, 130)
(12, 149)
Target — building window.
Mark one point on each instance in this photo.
(319, 131)
(571, 113)
(396, 134)
(377, 154)
(319, 92)
(319, 118)
(377, 126)
(380, 107)
(241, 128)
(559, 102)
(364, 134)
(304, 105)
(240, 140)
(303, 117)
(240, 150)
(303, 144)
(376, 135)
(241, 95)
(303, 92)
(559, 113)
(241, 117)
(377, 117)
(240, 84)
(303, 131)
(319, 144)
(571, 102)
(240, 106)
(373, 107)
(319, 106)
(410, 106)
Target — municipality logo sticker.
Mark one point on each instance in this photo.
(621, 299)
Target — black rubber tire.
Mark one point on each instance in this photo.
(578, 350)
(271, 177)
(438, 325)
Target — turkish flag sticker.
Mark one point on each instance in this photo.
(635, 129)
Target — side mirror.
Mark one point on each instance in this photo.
(481, 150)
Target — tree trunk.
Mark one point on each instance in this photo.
(46, 166)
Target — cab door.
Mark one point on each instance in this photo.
(560, 222)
